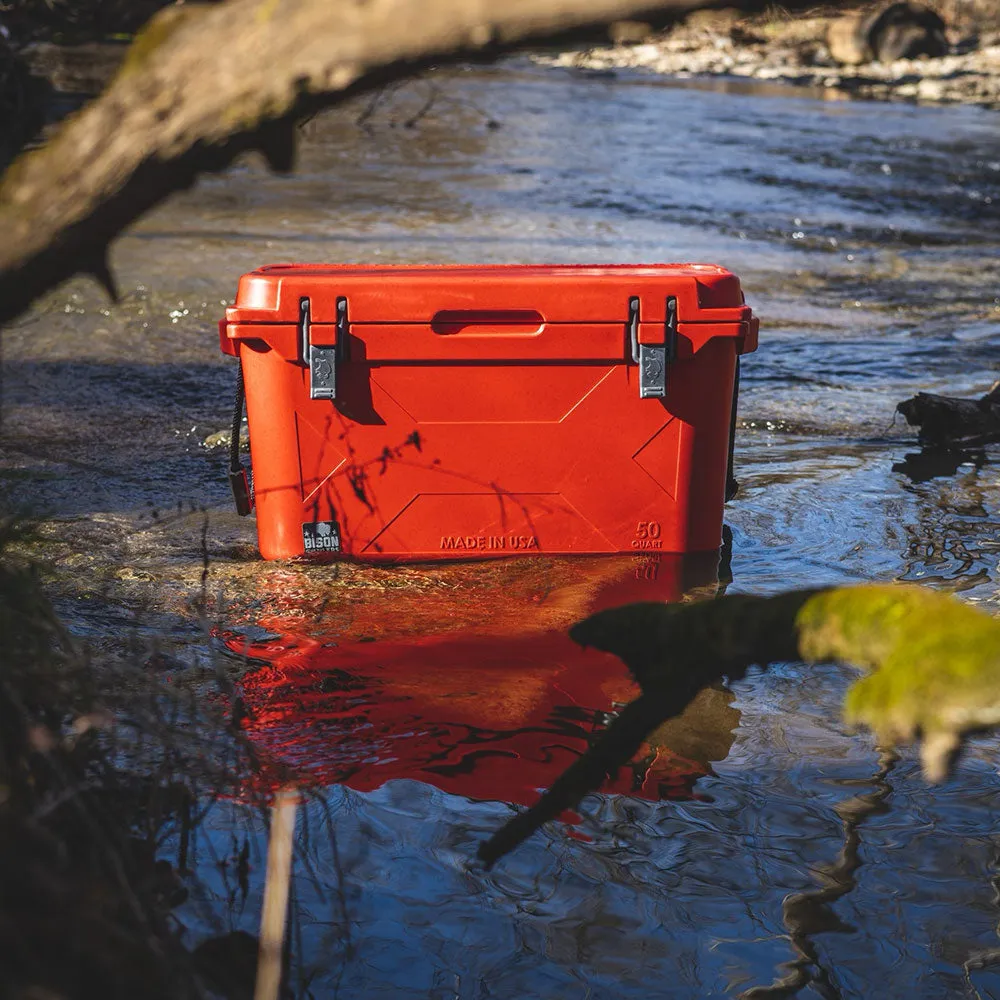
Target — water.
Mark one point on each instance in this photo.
(866, 236)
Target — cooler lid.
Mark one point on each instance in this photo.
(519, 294)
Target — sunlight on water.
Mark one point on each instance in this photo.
(756, 844)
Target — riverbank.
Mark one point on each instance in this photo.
(796, 50)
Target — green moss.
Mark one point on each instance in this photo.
(934, 662)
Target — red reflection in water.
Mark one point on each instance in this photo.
(479, 691)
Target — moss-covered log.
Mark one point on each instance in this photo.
(933, 671)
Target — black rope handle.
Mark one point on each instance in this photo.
(732, 485)
(241, 484)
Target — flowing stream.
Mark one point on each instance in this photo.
(760, 844)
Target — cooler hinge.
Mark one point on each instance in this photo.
(321, 359)
(653, 359)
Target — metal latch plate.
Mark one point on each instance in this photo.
(652, 371)
(653, 359)
(321, 359)
(322, 372)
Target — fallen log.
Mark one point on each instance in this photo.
(952, 422)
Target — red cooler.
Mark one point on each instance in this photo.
(416, 413)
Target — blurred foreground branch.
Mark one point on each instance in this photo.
(933, 671)
(276, 887)
(204, 83)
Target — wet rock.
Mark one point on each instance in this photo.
(897, 31)
(833, 54)
(930, 90)
(846, 42)
(796, 31)
(973, 16)
(907, 31)
(221, 439)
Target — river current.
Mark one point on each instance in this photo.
(763, 845)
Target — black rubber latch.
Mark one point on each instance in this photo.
(241, 492)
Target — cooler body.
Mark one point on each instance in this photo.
(422, 413)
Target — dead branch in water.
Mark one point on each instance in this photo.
(953, 422)
(673, 651)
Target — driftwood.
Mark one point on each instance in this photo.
(203, 84)
(950, 422)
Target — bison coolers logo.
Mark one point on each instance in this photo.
(321, 536)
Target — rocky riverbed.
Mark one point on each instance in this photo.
(799, 50)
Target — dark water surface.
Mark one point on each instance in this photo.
(866, 236)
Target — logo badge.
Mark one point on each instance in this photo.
(321, 536)
(652, 367)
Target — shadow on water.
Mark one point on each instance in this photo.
(932, 463)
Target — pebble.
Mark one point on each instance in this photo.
(930, 90)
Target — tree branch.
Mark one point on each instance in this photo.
(203, 84)
(933, 671)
